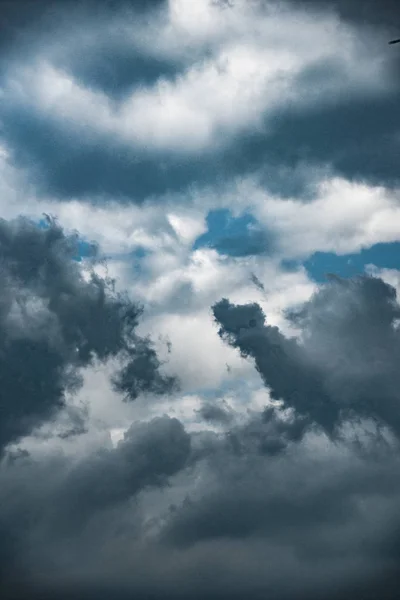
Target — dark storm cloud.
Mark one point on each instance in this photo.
(25, 23)
(17, 16)
(382, 13)
(347, 363)
(147, 456)
(59, 165)
(53, 322)
(290, 529)
(268, 434)
(50, 503)
(279, 361)
(267, 481)
(116, 68)
(141, 373)
(269, 511)
(307, 504)
(272, 507)
(260, 499)
(358, 138)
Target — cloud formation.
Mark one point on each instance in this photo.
(287, 485)
(55, 322)
(211, 149)
(377, 14)
(346, 364)
(221, 84)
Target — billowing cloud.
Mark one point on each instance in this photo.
(71, 499)
(147, 455)
(217, 158)
(279, 485)
(256, 87)
(54, 322)
(346, 363)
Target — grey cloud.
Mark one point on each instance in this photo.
(355, 137)
(349, 330)
(53, 322)
(347, 363)
(348, 137)
(259, 285)
(116, 68)
(52, 502)
(215, 413)
(59, 165)
(278, 360)
(26, 25)
(274, 508)
(358, 139)
(295, 528)
(141, 373)
(243, 505)
(22, 14)
(268, 434)
(293, 524)
(58, 161)
(317, 510)
(147, 456)
(383, 13)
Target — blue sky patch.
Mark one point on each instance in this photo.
(382, 255)
(233, 236)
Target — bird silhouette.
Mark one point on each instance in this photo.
(395, 41)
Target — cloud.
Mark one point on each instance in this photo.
(147, 455)
(338, 136)
(342, 216)
(141, 373)
(54, 322)
(204, 148)
(290, 516)
(271, 486)
(347, 358)
(60, 116)
(377, 14)
(70, 500)
(211, 412)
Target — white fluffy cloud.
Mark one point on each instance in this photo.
(344, 217)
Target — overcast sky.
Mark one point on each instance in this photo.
(199, 321)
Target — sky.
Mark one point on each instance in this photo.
(199, 313)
